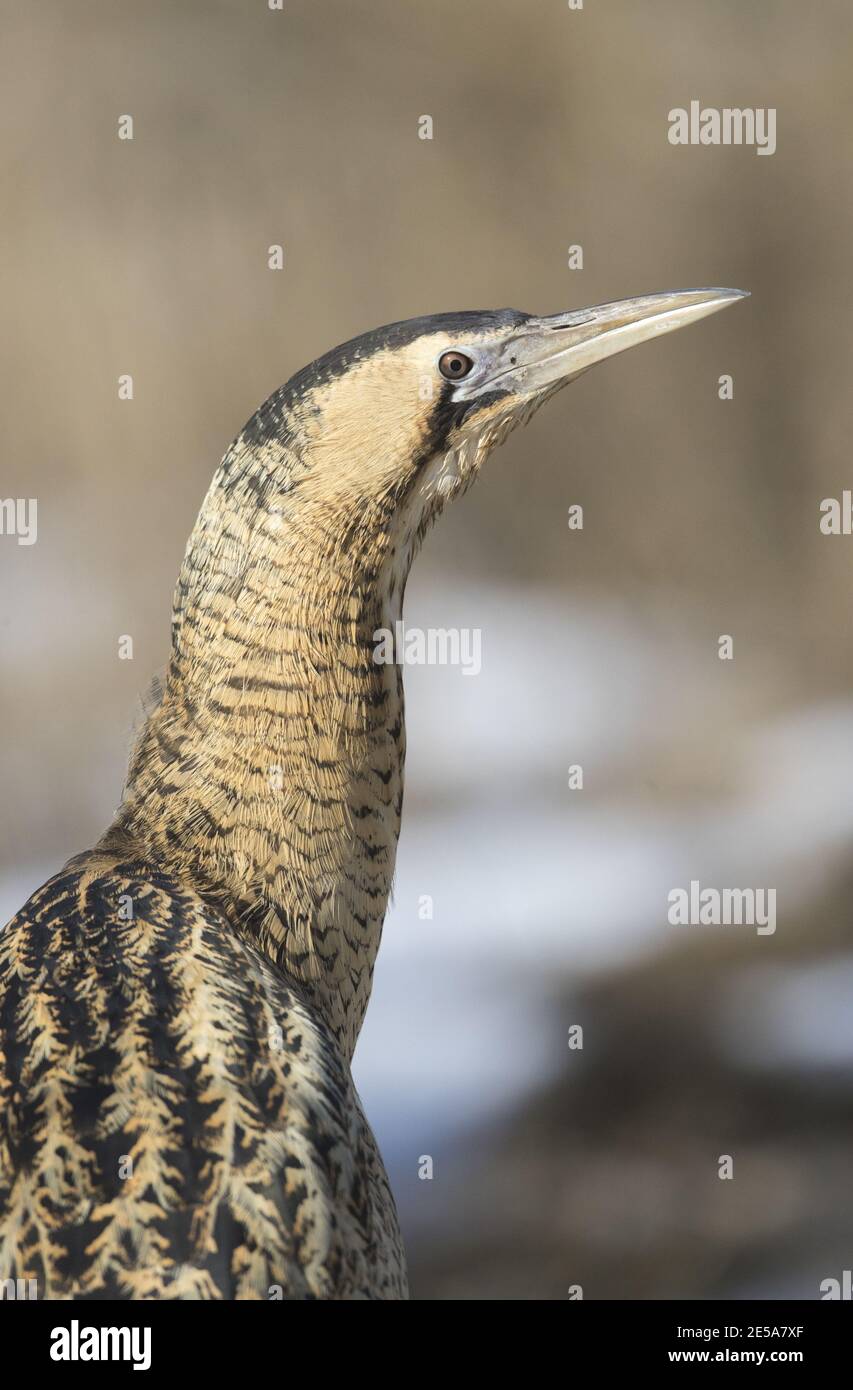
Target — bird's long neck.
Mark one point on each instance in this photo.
(272, 770)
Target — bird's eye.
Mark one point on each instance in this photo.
(454, 365)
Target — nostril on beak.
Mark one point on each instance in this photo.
(574, 318)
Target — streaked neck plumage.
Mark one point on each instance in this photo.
(272, 768)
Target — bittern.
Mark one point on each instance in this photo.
(180, 1004)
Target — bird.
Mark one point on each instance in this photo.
(179, 1005)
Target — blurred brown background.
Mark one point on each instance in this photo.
(701, 517)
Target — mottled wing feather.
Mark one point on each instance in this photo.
(175, 1120)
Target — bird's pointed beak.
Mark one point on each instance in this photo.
(550, 351)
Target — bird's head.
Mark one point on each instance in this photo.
(381, 432)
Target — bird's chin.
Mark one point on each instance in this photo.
(493, 417)
(451, 472)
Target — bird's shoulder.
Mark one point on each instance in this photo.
(177, 1121)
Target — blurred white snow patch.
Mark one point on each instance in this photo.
(532, 881)
(451, 1051)
(558, 681)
